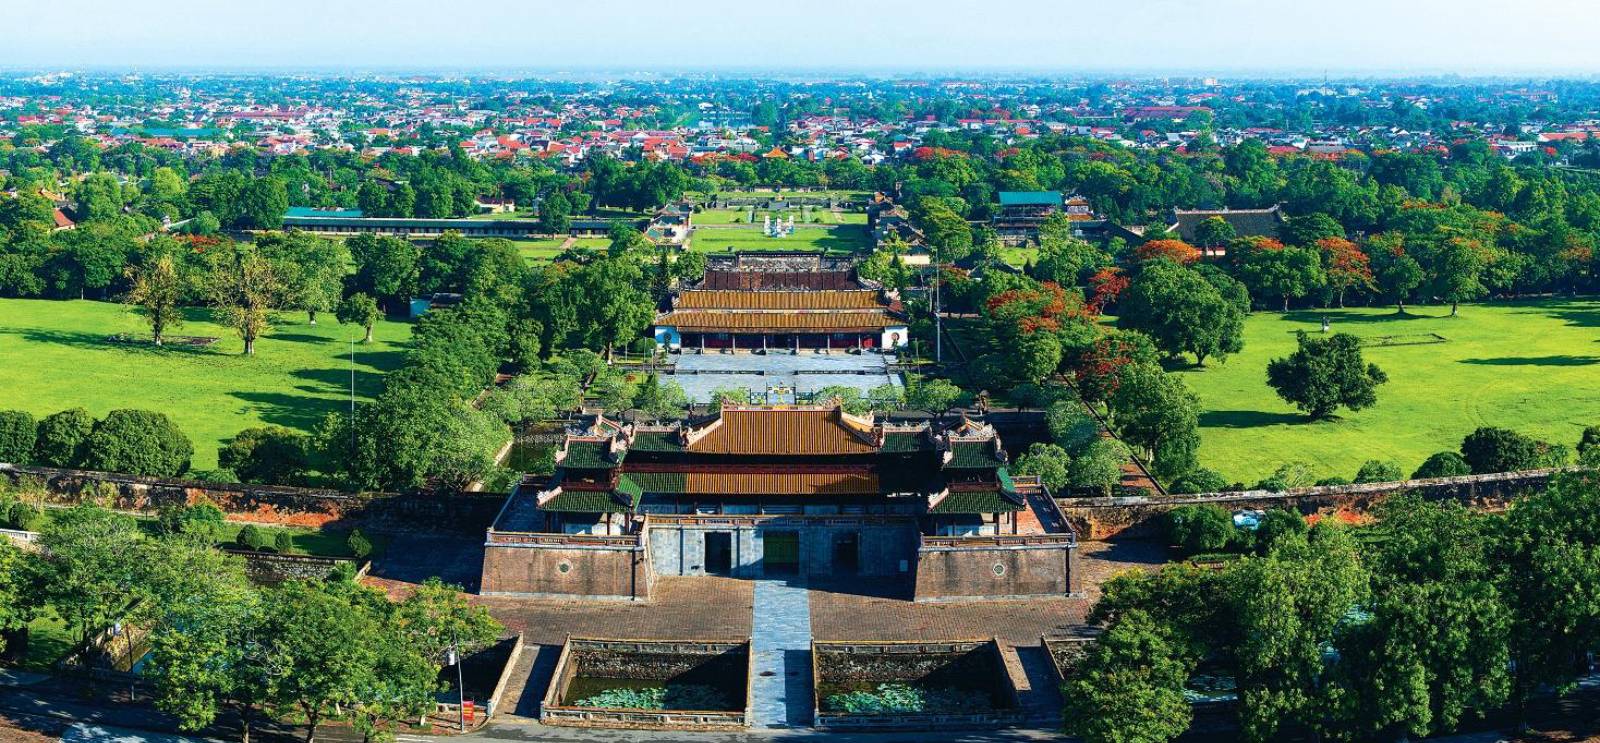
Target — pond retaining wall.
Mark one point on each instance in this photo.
(648, 660)
(969, 663)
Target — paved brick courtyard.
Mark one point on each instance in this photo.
(693, 608)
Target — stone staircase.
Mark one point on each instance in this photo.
(530, 678)
(1029, 668)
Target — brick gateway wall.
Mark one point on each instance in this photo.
(992, 567)
(582, 565)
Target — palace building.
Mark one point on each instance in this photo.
(766, 490)
(782, 302)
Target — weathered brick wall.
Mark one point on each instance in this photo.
(727, 669)
(306, 507)
(1104, 518)
(572, 571)
(271, 567)
(975, 572)
(974, 666)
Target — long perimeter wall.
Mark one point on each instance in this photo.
(1104, 518)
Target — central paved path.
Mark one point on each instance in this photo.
(780, 643)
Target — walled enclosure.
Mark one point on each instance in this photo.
(968, 664)
(710, 663)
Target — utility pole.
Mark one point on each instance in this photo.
(461, 686)
(352, 398)
(938, 314)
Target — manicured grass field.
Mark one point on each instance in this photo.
(840, 240)
(801, 217)
(495, 216)
(538, 251)
(1531, 366)
(55, 355)
(768, 193)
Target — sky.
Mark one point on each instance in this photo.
(1468, 37)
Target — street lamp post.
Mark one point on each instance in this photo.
(453, 657)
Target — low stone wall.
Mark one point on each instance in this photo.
(960, 568)
(19, 538)
(576, 566)
(270, 504)
(1104, 518)
(1066, 654)
(273, 567)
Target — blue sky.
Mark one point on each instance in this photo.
(1215, 36)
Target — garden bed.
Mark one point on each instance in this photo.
(641, 684)
(912, 686)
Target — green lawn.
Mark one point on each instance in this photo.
(768, 193)
(802, 217)
(539, 251)
(1531, 366)
(54, 355)
(841, 240)
(495, 216)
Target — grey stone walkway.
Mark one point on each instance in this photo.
(780, 646)
(702, 374)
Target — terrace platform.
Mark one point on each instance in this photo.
(701, 374)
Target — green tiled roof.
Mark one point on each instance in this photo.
(666, 441)
(900, 443)
(981, 501)
(658, 482)
(629, 490)
(973, 455)
(590, 455)
(583, 501)
(1006, 483)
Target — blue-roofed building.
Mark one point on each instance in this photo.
(317, 211)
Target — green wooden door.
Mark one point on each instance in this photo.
(780, 551)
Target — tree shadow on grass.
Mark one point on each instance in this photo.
(368, 381)
(303, 338)
(1575, 313)
(300, 412)
(1248, 419)
(1337, 317)
(1561, 360)
(101, 342)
